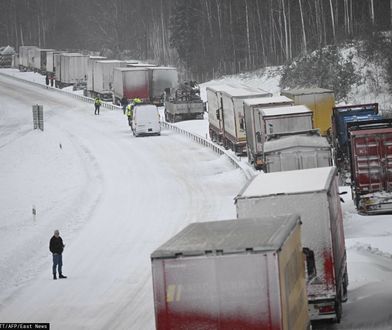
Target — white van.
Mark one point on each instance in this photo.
(146, 120)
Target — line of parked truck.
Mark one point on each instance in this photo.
(109, 79)
(282, 263)
(302, 128)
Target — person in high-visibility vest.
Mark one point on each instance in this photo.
(97, 104)
(130, 113)
(130, 106)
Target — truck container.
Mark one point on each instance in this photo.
(313, 194)
(320, 101)
(73, 67)
(215, 116)
(131, 82)
(103, 77)
(234, 137)
(57, 68)
(259, 122)
(232, 274)
(50, 61)
(90, 73)
(161, 78)
(296, 152)
(40, 59)
(184, 102)
(26, 55)
(370, 150)
(341, 116)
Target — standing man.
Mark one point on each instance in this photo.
(97, 104)
(124, 103)
(56, 246)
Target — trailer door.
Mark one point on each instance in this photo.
(372, 153)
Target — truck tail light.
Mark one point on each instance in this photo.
(327, 309)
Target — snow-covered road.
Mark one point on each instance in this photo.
(114, 198)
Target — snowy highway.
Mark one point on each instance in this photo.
(114, 198)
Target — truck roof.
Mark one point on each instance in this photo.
(127, 68)
(72, 54)
(286, 110)
(267, 100)
(291, 141)
(229, 236)
(244, 91)
(289, 182)
(162, 68)
(222, 87)
(110, 61)
(306, 91)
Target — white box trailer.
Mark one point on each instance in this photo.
(131, 82)
(313, 194)
(320, 100)
(73, 67)
(40, 59)
(296, 152)
(90, 71)
(57, 67)
(234, 136)
(253, 124)
(26, 54)
(232, 274)
(161, 78)
(214, 106)
(104, 76)
(50, 61)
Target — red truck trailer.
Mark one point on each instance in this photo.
(232, 274)
(370, 150)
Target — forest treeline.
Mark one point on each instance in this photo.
(204, 38)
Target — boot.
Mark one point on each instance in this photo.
(54, 277)
(62, 276)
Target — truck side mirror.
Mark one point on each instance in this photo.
(217, 114)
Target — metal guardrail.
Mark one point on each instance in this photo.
(75, 96)
(246, 170)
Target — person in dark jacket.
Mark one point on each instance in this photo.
(56, 246)
(124, 103)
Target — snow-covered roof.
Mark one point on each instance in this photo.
(288, 182)
(163, 68)
(96, 57)
(268, 100)
(72, 54)
(306, 91)
(229, 236)
(292, 141)
(244, 91)
(287, 110)
(111, 61)
(8, 50)
(141, 64)
(221, 87)
(129, 68)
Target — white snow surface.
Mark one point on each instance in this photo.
(289, 182)
(116, 198)
(295, 109)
